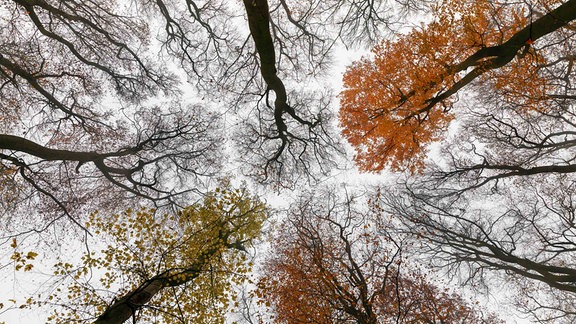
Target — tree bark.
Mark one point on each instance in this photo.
(15, 143)
(124, 308)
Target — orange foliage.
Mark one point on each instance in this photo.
(400, 100)
(323, 277)
(296, 288)
(528, 89)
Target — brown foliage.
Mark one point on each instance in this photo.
(334, 265)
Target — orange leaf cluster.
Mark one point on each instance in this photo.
(396, 103)
(520, 84)
(297, 290)
(317, 281)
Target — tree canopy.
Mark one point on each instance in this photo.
(496, 194)
(148, 104)
(333, 263)
(401, 100)
(169, 268)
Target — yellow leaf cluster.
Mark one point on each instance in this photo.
(195, 253)
(22, 261)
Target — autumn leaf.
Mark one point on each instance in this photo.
(31, 255)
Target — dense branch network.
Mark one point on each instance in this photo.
(259, 23)
(334, 263)
(492, 240)
(75, 76)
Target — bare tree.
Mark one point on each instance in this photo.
(81, 81)
(267, 65)
(524, 232)
(78, 124)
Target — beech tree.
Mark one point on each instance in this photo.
(497, 199)
(395, 104)
(501, 199)
(76, 117)
(331, 263)
(521, 234)
(172, 268)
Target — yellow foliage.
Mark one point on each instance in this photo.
(193, 253)
(21, 260)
